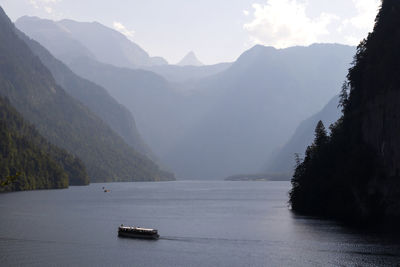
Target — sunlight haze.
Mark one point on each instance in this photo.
(217, 31)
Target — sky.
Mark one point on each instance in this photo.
(216, 30)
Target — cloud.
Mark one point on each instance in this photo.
(356, 28)
(48, 9)
(37, 3)
(284, 23)
(46, 5)
(246, 12)
(34, 3)
(122, 29)
(366, 10)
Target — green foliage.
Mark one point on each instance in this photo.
(9, 180)
(63, 120)
(72, 165)
(27, 160)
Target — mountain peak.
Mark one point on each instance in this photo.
(190, 60)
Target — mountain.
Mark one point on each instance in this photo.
(63, 120)
(68, 38)
(187, 74)
(224, 120)
(249, 110)
(57, 39)
(31, 162)
(353, 173)
(230, 119)
(190, 60)
(147, 95)
(68, 41)
(93, 96)
(140, 87)
(284, 160)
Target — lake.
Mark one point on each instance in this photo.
(200, 223)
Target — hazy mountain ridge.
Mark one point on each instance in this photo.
(63, 120)
(69, 40)
(180, 120)
(190, 60)
(188, 74)
(154, 101)
(255, 105)
(284, 160)
(57, 39)
(94, 97)
(147, 95)
(100, 42)
(232, 117)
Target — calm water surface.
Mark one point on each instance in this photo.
(200, 223)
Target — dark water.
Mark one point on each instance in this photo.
(200, 223)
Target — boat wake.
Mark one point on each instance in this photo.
(208, 239)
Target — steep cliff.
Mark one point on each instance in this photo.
(353, 174)
(375, 87)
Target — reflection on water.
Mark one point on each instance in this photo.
(200, 223)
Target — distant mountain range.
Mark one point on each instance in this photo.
(187, 74)
(190, 60)
(93, 96)
(215, 121)
(64, 120)
(68, 39)
(253, 107)
(284, 160)
(147, 95)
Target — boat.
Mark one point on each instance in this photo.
(137, 232)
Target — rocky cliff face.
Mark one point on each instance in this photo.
(375, 88)
(374, 106)
(381, 129)
(354, 174)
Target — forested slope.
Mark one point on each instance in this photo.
(28, 161)
(93, 96)
(63, 120)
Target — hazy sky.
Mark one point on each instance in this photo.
(216, 30)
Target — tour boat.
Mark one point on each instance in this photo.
(137, 232)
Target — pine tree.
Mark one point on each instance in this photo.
(321, 136)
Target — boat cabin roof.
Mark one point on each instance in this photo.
(136, 228)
